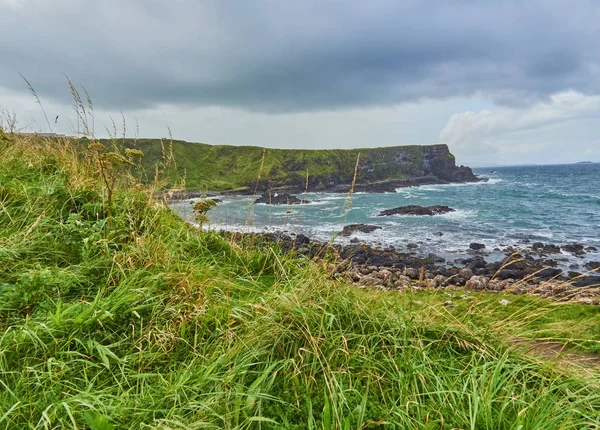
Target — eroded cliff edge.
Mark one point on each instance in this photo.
(223, 168)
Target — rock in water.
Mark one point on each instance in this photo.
(416, 210)
(350, 229)
(574, 248)
(280, 199)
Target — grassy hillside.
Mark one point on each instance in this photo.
(114, 313)
(221, 167)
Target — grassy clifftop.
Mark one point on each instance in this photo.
(114, 314)
(221, 167)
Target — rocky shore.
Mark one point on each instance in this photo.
(523, 271)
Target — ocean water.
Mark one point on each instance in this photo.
(556, 204)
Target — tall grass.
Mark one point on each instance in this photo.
(135, 319)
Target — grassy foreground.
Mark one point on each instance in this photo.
(139, 320)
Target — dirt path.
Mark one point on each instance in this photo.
(589, 362)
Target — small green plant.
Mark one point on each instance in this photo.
(113, 165)
(201, 207)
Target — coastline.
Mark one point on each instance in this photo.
(373, 187)
(529, 270)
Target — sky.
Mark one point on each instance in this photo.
(500, 82)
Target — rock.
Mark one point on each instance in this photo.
(542, 249)
(476, 246)
(573, 248)
(504, 302)
(354, 240)
(370, 281)
(587, 281)
(592, 265)
(591, 249)
(350, 229)
(417, 210)
(585, 300)
(302, 239)
(438, 234)
(384, 274)
(499, 284)
(438, 281)
(270, 198)
(354, 275)
(477, 283)
(476, 262)
(412, 246)
(436, 258)
(449, 303)
(402, 283)
(550, 262)
(512, 274)
(548, 273)
(411, 272)
(365, 271)
(465, 274)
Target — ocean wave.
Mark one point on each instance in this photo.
(441, 187)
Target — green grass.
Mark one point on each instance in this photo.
(139, 320)
(575, 325)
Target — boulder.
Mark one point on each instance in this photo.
(402, 283)
(370, 281)
(302, 239)
(411, 272)
(417, 210)
(574, 248)
(350, 229)
(499, 284)
(438, 281)
(465, 273)
(270, 198)
(477, 283)
(592, 265)
(542, 249)
(476, 246)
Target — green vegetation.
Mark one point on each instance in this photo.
(139, 320)
(221, 167)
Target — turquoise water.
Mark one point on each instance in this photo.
(551, 204)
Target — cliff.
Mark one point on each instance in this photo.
(221, 167)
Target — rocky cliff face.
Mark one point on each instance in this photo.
(413, 161)
(224, 167)
(384, 169)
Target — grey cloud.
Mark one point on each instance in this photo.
(276, 56)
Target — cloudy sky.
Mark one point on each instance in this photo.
(500, 82)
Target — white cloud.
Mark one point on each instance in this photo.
(502, 133)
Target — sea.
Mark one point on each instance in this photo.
(516, 206)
